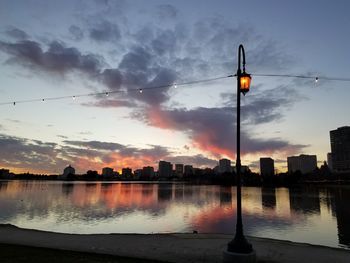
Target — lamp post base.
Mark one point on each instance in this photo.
(230, 257)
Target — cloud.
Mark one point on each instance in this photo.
(213, 130)
(198, 160)
(76, 32)
(47, 157)
(96, 145)
(265, 105)
(101, 154)
(24, 153)
(17, 33)
(110, 103)
(56, 59)
(112, 78)
(13, 120)
(159, 55)
(137, 69)
(155, 55)
(166, 11)
(85, 133)
(140, 69)
(105, 31)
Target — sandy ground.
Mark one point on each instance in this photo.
(171, 247)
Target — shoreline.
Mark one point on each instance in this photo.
(169, 247)
(305, 183)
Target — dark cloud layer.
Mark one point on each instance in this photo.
(155, 56)
(56, 59)
(152, 55)
(105, 31)
(76, 32)
(23, 153)
(51, 157)
(214, 129)
(111, 103)
(17, 33)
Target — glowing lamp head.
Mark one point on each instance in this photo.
(244, 81)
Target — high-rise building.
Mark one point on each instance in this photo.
(179, 170)
(165, 169)
(329, 161)
(225, 166)
(138, 173)
(340, 147)
(188, 170)
(267, 166)
(303, 163)
(107, 172)
(147, 172)
(127, 172)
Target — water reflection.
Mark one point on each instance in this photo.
(268, 197)
(165, 192)
(304, 200)
(225, 196)
(67, 188)
(308, 214)
(342, 213)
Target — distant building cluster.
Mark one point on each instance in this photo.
(338, 161)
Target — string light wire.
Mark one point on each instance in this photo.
(316, 78)
(175, 85)
(107, 93)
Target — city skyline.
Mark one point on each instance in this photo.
(119, 46)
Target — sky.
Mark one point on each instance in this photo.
(66, 48)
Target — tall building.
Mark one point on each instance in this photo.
(267, 166)
(127, 172)
(138, 173)
(179, 170)
(329, 161)
(165, 169)
(188, 170)
(303, 163)
(107, 172)
(340, 147)
(148, 172)
(225, 166)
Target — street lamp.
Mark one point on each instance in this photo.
(239, 248)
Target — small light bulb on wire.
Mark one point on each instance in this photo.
(175, 85)
(43, 100)
(107, 94)
(140, 90)
(316, 79)
(73, 97)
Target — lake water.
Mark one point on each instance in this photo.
(316, 215)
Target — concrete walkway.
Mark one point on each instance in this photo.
(171, 247)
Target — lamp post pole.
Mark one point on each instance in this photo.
(239, 246)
